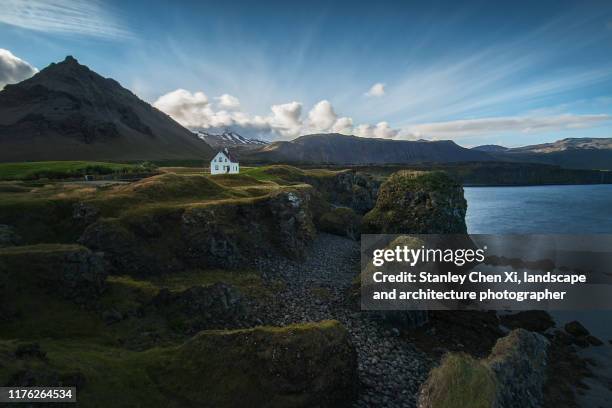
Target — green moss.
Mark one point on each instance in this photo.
(248, 282)
(461, 381)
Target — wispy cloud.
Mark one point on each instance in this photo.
(91, 18)
(458, 129)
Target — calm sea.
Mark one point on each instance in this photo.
(584, 209)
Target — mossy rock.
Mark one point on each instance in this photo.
(341, 221)
(459, 381)
(418, 203)
(512, 376)
(300, 365)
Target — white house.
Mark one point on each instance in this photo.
(224, 163)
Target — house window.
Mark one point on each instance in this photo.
(216, 167)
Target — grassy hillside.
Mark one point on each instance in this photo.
(65, 169)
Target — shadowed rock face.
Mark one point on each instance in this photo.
(68, 112)
(225, 234)
(72, 271)
(418, 203)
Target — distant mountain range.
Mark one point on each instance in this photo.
(578, 153)
(342, 149)
(228, 139)
(68, 112)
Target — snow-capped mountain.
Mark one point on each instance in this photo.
(228, 139)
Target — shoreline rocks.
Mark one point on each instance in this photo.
(513, 375)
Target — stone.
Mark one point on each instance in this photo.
(519, 364)
(576, 329)
(512, 376)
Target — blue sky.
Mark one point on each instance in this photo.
(511, 73)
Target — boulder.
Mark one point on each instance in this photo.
(341, 221)
(532, 320)
(512, 376)
(304, 365)
(412, 202)
(576, 329)
(519, 364)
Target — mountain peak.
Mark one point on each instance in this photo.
(68, 111)
(70, 60)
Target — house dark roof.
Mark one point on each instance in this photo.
(227, 153)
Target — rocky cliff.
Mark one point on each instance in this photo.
(226, 233)
(418, 203)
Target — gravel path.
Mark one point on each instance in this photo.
(390, 369)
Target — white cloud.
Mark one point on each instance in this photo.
(380, 130)
(189, 109)
(378, 89)
(13, 69)
(499, 125)
(285, 118)
(93, 18)
(286, 121)
(343, 125)
(227, 101)
(322, 116)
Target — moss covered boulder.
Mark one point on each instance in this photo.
(304, 365)
(341, 221)
(412, 202)
(512, 376)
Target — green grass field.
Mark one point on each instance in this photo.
(64, 169)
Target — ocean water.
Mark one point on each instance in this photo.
(583, 209)
(580, 209)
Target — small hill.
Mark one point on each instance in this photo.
(341, 149)
(69, 112)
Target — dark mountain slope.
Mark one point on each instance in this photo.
(342, 149)
(68, 112)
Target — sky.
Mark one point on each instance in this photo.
(477, 72)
